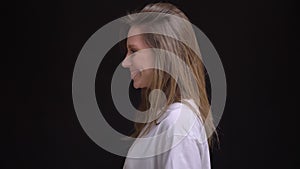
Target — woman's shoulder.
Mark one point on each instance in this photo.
(181, 120)
(177, 110)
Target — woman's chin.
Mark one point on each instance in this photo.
(136, 85)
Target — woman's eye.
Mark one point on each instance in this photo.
(131, 50)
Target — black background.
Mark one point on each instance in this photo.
(252, 37)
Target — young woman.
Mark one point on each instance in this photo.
(167, 67)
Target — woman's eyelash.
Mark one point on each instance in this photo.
(132, 50)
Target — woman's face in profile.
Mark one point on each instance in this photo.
(138, 60)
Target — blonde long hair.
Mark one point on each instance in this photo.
(195, 90)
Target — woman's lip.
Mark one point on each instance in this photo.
(134, 73)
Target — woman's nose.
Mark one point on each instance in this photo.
(126, 62)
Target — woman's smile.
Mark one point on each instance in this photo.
(134, 73)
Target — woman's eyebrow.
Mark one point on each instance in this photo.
(132, 46)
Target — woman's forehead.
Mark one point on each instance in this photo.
(135, 38)
(135, 30)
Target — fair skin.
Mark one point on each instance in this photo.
(139, 59)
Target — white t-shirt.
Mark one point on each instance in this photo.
(179, 142)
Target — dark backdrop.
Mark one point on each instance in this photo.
(252, 37)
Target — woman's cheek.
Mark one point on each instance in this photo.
(147, 77)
